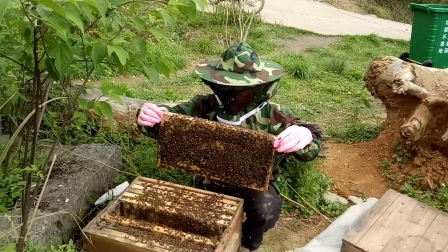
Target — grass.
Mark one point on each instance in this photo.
(321, 85)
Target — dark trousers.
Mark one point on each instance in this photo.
(262, 212)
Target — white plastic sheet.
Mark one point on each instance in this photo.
(330, 240)
(112, 193)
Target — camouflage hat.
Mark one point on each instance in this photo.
(239, 66)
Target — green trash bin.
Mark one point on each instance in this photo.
(429, 38)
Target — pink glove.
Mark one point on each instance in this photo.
(292, 139)
(150, 115)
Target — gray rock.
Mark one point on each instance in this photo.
(355, 200)
(81, 174)
(330, 197)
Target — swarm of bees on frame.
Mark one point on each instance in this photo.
(220, 152)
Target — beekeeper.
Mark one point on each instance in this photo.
(242, 86)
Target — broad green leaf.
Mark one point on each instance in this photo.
(91, 104)
(86, 10)
(49, 64)
(82, 104)
(5, 5)
(75, 4)
(366, 102)
(140, 45)
(106, 110)
(139, 23)
(158, 34)
(62, 54)
(163, 69)
(99, 51)
(107, 89)
(201, 4)
(43, 11)
(173, 2)
(169, 64)
(152, 74)
(100, 5)
(118, 41)
(74, 16)
(166, 17)
(115, 97)
(97, 109)
(58, 23)
(136, 59)
(121, 54)
(52, 5)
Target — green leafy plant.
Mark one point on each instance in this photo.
(45, 43)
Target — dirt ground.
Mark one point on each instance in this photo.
(354, 169)
(291, 233)
(303, 43)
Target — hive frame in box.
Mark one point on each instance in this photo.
(103, 239)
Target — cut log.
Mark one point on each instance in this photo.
(416, 100)
(125, 112)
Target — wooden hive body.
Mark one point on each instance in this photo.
(398, 223)
(220, 152)
(153, 215)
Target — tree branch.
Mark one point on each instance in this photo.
(18, 63)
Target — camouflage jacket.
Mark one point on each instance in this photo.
(272, 119)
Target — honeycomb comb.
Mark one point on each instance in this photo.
(219, 152)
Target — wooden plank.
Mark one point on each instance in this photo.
(113, 241)
(359, 230)
(131, 193)
(161, 230)
(234, 244)
(163, 185)
(224, 221)
(446, 248)
(412, 229)
(436, 236)
(234, 227)
(385, 227)
(137, 190)
(348, 247)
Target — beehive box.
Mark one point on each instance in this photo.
(398, 223)
(220, 152)
(153, 215)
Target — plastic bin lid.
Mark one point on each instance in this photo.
(430, 7)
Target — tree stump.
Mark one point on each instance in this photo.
(416, 101)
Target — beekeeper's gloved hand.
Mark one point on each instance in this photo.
(292, 139)
(150, 115)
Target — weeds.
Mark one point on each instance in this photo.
(296, 65)
(308, 182)
(207, 46)
(336, 65)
